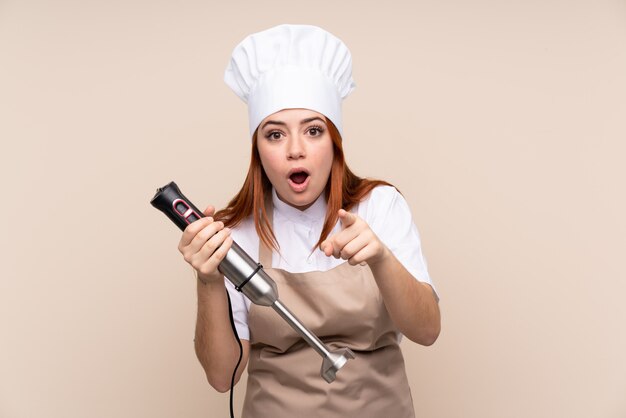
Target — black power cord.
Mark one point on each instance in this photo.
(232, 380)
(259, 266)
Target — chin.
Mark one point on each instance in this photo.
(302, 202)
(299, 201)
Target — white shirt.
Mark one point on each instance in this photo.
(385, 211)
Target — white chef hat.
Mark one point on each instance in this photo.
(291, 66)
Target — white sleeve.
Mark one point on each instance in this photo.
(240, 310)
(392, 222)
(245, 236)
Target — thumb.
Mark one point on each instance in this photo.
(327, 248)
(347, 218)
(209, 211)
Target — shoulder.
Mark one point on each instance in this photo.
(385, 210)
(382, 194)
(378, 202)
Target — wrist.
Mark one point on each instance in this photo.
(378, 261)
(209, 280)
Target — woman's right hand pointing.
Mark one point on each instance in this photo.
(204, 245)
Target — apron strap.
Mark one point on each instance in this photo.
(265, 253)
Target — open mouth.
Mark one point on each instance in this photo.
(299, 177)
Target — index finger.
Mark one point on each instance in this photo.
(193, 228)
(347, 218)
(209, 211)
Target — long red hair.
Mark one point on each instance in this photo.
(344, 189)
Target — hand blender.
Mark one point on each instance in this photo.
(249, 278)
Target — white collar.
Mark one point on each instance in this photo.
(314, 213)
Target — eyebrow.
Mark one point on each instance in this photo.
(302, 122)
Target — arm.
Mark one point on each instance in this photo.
(204, 245)
(411, 304)
(215, 344)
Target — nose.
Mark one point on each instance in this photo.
(295, 148)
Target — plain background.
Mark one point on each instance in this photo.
(502, 122)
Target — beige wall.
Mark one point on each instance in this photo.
(503, 123)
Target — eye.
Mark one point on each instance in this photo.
(273, 135)
(316, 130)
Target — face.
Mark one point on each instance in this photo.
(297, 154)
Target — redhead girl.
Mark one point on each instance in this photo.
(343, 250)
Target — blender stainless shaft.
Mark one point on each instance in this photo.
(250, 279)
(300, 329)
(333, 360)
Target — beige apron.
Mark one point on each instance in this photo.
(343, 308)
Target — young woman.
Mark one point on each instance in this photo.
(343, 250)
